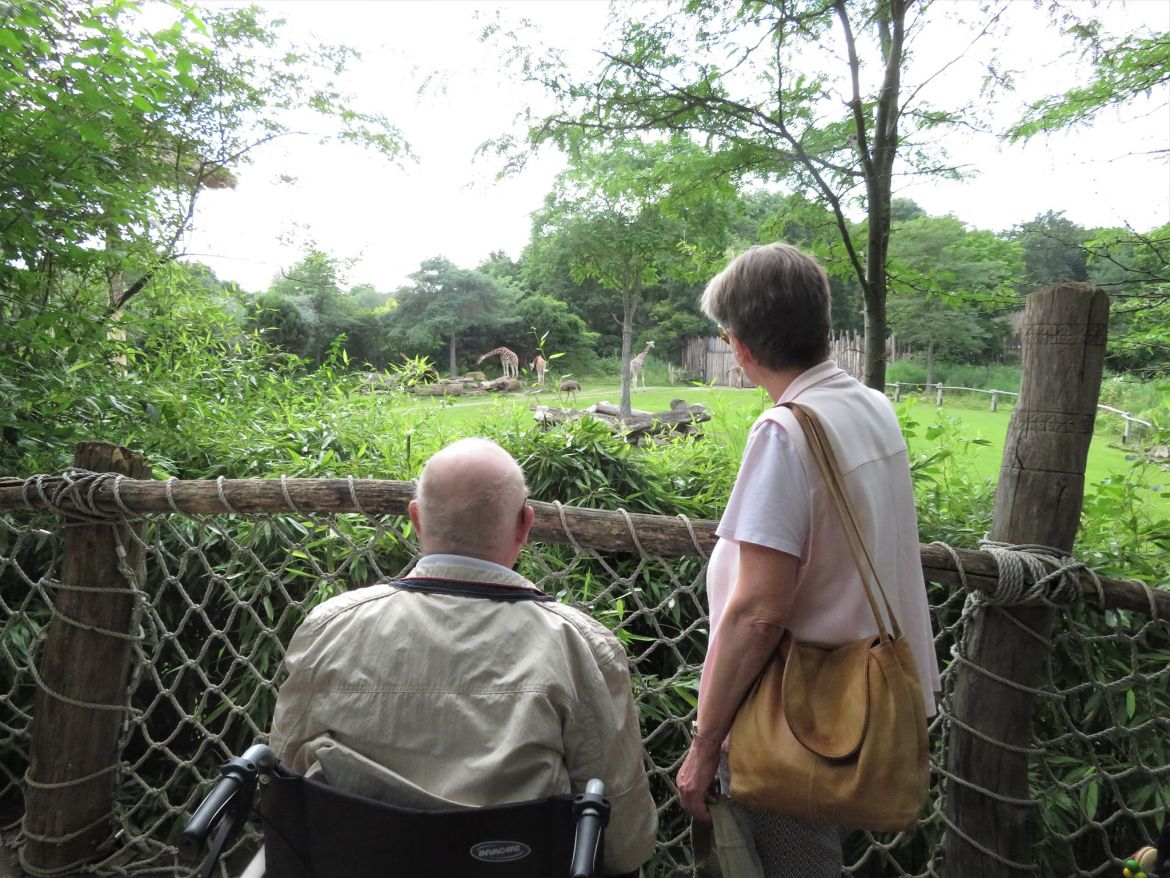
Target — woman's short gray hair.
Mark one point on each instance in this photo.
(776, 300)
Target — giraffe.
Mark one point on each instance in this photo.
(509, 362)
(638, 367)
(539, 365)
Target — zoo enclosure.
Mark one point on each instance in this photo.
(710, 359)
(180, 596)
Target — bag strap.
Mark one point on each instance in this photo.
(822, 452)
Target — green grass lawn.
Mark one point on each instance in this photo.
(733, 412)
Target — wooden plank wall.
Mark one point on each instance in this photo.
(708, 359)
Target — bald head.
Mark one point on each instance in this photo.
(470, 500)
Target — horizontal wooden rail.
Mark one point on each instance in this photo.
(1109, 408)
(938, 388)
(597, 529)
(949, 387)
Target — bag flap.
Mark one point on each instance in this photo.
(826, 695)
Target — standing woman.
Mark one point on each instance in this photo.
(782, 561)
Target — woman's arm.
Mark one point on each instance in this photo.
(749, 632)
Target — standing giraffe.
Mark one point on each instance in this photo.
(539, 365)
(509, 362)
(638, 367)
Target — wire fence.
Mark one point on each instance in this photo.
(216, 596)
(1131, 427)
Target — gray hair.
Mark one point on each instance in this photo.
(469, 497)
(776, 300)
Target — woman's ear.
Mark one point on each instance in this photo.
(741, 351)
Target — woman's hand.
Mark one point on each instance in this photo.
(696, 776)
(749, 631)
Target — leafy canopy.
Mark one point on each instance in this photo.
(807, 92)
(445, 303)
(113, 125)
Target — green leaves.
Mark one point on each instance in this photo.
(1131, 66)
(113, 125)
(446, 303)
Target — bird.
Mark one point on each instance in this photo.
(570, 387)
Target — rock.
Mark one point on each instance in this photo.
(439, 389)
(636, 429)
(608, 408)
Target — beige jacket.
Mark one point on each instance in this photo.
(466, 700)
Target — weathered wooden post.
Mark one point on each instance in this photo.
(995, 400)
(79, 709)
(938, 394)
(1125, 430)
(897, 391)
(1038, 501)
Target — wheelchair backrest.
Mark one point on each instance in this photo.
(312, 830)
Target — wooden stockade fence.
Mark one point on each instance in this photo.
(148, 623)
(710, 360)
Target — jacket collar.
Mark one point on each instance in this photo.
(465, 569)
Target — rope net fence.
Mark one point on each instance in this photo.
(217, 596)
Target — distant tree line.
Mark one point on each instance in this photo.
(952, 289)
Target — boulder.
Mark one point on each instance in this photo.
(439, 389)
(502, 385)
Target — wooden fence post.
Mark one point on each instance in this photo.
(1038, 500)
(897, 391)
(78, 712)
(995, 400)
(938, 394)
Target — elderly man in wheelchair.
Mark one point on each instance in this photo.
(450, 721)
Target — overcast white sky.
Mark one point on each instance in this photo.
(358, 207)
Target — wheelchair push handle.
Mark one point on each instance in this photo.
(592, 809)
(231, 795)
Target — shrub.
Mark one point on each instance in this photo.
(991, 376)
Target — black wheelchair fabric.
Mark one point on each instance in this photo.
(312, 830)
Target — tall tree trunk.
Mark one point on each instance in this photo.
(627, 344)
(874, 369)
(451, 362)
(930, 362)
(877, 151)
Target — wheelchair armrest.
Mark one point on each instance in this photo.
(230, 797)
(592, 810)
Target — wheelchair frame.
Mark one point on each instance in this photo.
(225, 809)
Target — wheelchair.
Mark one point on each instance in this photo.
(312, 830)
